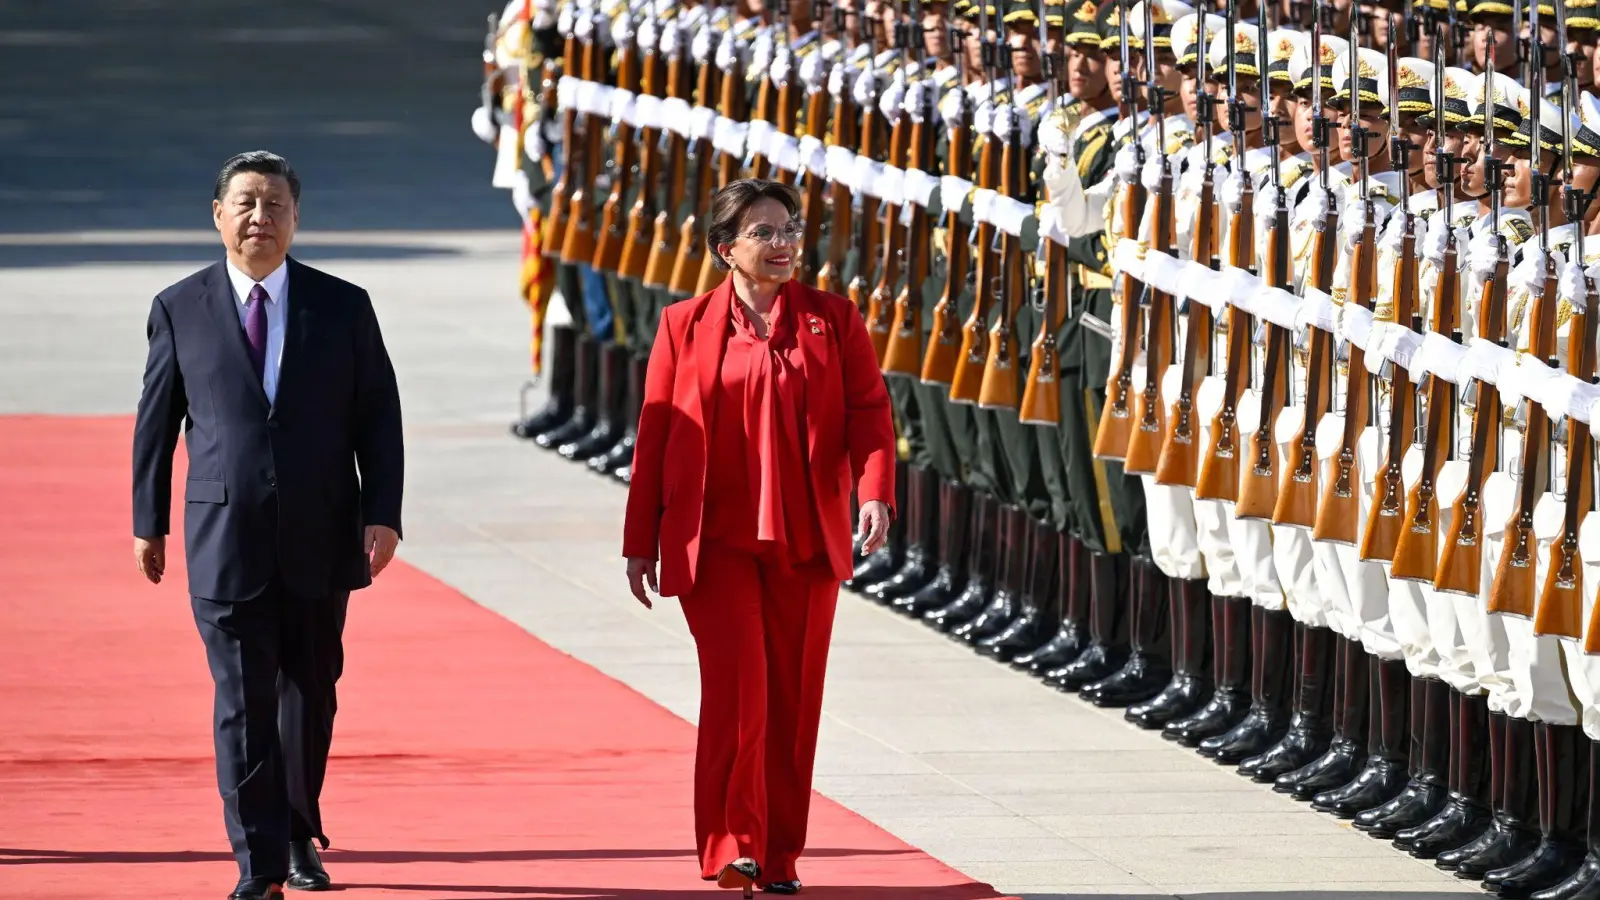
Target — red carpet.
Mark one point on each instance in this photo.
(470, 759)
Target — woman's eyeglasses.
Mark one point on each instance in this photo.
(769, 234)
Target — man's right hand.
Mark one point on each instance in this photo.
(150, 555)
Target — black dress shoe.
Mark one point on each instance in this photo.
(305, 868)
(256, 889)
(782, 887)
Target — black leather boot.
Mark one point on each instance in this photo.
(1563, 808)
(1189, 610)
(1584, 884)
(1515, 832)
(985, 547)
(1385, 773)
(1005, 602)
(1036, 605)
(1466, 812)
(1108, 625)
(1347, 753)
(585, 397)
(1149, 665)
(1271, 677)
(953, 519)
(881, 563)
(620, 456)
(1424, 795)
(1311, 723)
(563, 374)
(1071, 607)
(612, 399)
(918, 565)
(1231, 659)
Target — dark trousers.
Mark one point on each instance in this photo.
(275, 660)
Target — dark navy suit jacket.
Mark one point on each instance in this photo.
(273, 488)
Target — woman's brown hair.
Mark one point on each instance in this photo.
(729, 205)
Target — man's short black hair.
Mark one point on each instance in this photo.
(262, 162)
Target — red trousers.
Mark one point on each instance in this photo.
(762, 639)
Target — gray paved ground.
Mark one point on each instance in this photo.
(1007, 781)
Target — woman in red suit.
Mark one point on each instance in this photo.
(763, 409)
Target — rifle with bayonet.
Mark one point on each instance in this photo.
(765, 107)
(1386, 516)
(1299, 492)
(1514, 589)
(1258, 481)
(999, 387)
(945, 339)
(691, 257)
(784, 76)
(578, 244)
(1461, 562)
(491, 70)
(1220, 464)
(881, 304)
(663, 245)
(903, 356)
(1416, 552)
(841, 200)
(813, 200)
(966, 381)
(1149, 412)
(1041, 392)
(1560, 609)
(573, 65)
(1339, 513)
(867, 235)
(1115, 428)
(613, 220)
(1180, 447)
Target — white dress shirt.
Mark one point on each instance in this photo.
(276, 285)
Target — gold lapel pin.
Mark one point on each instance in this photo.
(816, 327)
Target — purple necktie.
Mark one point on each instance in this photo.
(255, 327)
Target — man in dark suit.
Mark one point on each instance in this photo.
(277, 375)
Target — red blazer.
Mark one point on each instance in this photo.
(851, 432)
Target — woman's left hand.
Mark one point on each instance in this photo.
(874, 525)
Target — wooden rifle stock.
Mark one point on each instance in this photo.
(944, 344)
(1560, 610)
(555, 227)
(1258, 481)
(903, 353)
(1461, 560)
(1298, 491)
(1180, 446)
(871, 147)
(812, 200)
(784, 121)
(1041, 395)
(691, 256)
(1116, 417)
(613, 232)
(1219, 465)
(841, 209)
(578, 244)
(1416, 552)
(1339, 511)
(663, 247)
(967, 380)
(1149, 412)
(1386, 517)
(880, 303)
(732, 106)
(1514, 590)
(999, 388)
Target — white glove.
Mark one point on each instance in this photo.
(1126, 164)
(483, 125)
(1231, 193)
(1151, 176)
(1266, 206)
(1572, 285)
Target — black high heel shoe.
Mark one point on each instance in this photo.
(741, 873)
(782, 887)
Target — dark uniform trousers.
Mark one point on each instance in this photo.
(275, 660)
